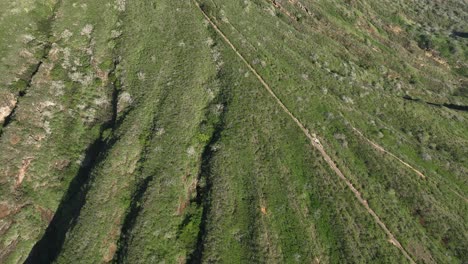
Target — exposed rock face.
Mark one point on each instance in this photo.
(7, 104)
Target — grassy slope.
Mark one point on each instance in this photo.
(161, 145)
(23, 27)
(178, 87)
(291, 91)
(59, 116)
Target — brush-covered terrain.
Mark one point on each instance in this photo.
(233, 131)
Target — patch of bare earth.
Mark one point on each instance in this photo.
(46, 214)
(431, 54)
(15, 139)
(112, 237)
(395, 29)
(110, 253)
(9, 209)
(22, 172)
(8, 102)
(4, 210)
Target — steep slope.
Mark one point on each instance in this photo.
(233, 131)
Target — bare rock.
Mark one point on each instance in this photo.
(8, 102)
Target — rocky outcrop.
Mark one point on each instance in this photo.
(7, 105)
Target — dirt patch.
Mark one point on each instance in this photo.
(9, 210)
(183, 203)
(61, 164)
(181, 260)
(113, 236)
(110, 253)
(15, 139)
(22, 172)
(54, 53)
(435, 57)
(46, 214)
(4, 210)
(395, 29)
(101, 74)
(8, 102)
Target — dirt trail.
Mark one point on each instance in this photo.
(312, 137)
(380, 148)
(286, 12)
(459, 195)
(419, 173)
(301, 6)
(282, 9)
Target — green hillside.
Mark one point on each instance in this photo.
(253, 131)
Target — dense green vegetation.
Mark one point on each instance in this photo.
(140, 132)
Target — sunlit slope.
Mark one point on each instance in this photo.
(233, 132)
